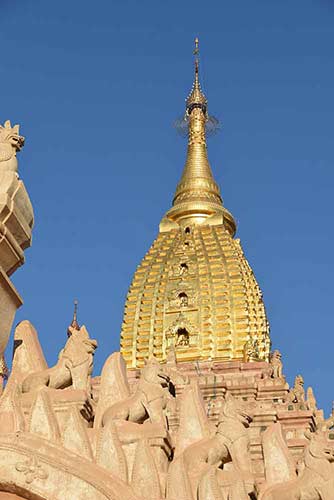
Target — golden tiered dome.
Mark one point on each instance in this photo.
(194, 289)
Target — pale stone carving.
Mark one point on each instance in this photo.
(74, 435)
(114, 385)
(279, 465)
(193, 424)
(74, 366)
(145, 475)
(32, 469)
(147, 403)
(42, 420)
(10, 143)
(109, 452)
(128, 451)
(16, 222)
(137, 428)
(311, 401)
(276, 364)
(316, 478)
(297, 393)
(172, 370)
(197, 474)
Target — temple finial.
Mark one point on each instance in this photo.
(74, 324)
(197, 197)
(196, 51)
(196, 95)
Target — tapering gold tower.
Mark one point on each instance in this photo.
(194, 289)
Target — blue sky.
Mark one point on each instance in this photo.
(96, 87)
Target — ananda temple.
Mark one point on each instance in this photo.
(195, 405)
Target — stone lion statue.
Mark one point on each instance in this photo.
(276, 364)
(297, 393)
(204, 461)
(74, 366)
(315, 479)
(147, 405)
(10, 143)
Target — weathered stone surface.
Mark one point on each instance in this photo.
(16, 223)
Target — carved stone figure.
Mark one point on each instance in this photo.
(315, 480)
(148, 403)
(10, 142)
(74, 366)
(137, 428)
(204, 461)
(297, 393)
(276, 364)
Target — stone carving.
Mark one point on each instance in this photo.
(16, 223)
(311, 401)
(10, 143)
(297, 393)
(251, 351)
(279, 464)
(148, 403)
(74, 366)
(137, 430)
(315, 480)
(42, 420)
(276, 364)
(181, 332)
(182, 296)
(32, 469)
(182, 268)
(204, 462)
(128, 452)
(172, 370)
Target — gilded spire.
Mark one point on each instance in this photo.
(74, 324)
(197, 195)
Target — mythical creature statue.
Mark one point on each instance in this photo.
(276, 364)
(10, 143)
(315, 479)
(74, 366)
(133, 437)
(147, 405)
(297, 393)
(204, 462)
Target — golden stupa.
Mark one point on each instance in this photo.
(194, 291)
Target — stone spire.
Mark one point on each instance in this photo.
(197, 196)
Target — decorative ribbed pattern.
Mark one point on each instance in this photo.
(199, 283)
(194, 290)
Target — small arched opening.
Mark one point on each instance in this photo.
(184, 268)
(182, 337)
(183, 298)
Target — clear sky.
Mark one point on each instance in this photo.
(96, 87)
